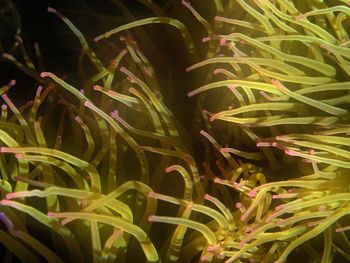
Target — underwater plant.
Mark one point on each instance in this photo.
(100, 169)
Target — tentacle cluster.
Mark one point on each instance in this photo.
(105, 167)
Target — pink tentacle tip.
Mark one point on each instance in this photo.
(205, 257)
(223, 42)
(314, 223)
(252, 193)
(4, 202)
(217, 180)
(291, 152)
(148, 71)
(325, 47)
(202, 132)
(188, 69)
(280, 138)
(263, 144)
(4, 107)
(151, 218)
(276, 82)
(213, 118)
(151, 194)
(9, 196)
(51, 10)
(88, 104)
(78, 119)
(19, 39)
(208, 197)
(244, 217)
(224, 150)
(19, 155)
(342, 229)
(206, 113)
(168, 169)
(38, 91)
(51, 214)
(280, 207)
(123, 69)
(206, 39)
(239, 205)
(191, 93)
(299, 17)
(269, 219)
(213, 248)
(131, 90)
(216, 71)
(44, 74)
(114, 114)
(190, 204)
(8, 56)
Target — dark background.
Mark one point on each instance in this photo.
(60, 47)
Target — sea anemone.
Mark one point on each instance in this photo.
(103, 171)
